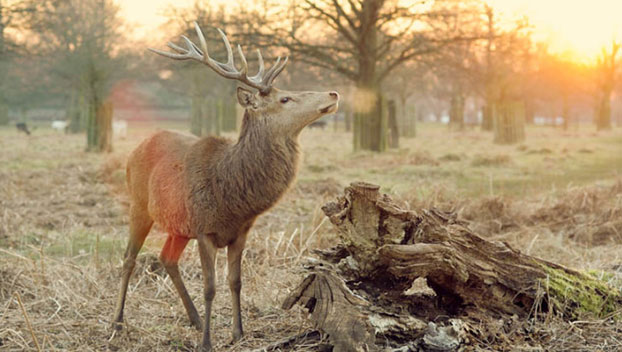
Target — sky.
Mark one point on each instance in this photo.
(582, 27)
(576, 27)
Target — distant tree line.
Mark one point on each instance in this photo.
(394, 64)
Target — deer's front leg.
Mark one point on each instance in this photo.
(207, 252)
(234, 265)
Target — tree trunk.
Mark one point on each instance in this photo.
(213, 111)
(99, 128)
(394, 140)
(4, 108)
(229, 115)
(408, 119)
(370, 122)
(603, 115)
(74, 113)
(218, 117)
(509, 126)
(371, 132)
(456, 112)
(565, 112)
(348, 119)
(422, 280)
(490, 76)
(530, 112)
(196, 116)
(4, 113)
(488, 115)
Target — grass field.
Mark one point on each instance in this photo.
(63, 229)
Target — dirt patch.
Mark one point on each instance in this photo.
(328, 187)
(451, 157)
(422, 158)
(491, 160)
(540, 151)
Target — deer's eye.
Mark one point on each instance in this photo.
(285, 100)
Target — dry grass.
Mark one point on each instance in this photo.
(63, 231)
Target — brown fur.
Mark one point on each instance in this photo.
(213, 189)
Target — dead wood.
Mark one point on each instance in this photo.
(396, 270)
(335, 310)
(311, 336)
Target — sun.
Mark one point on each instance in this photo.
(581, 28)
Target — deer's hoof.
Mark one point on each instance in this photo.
(237, 336)
(205, 348)
(197, 325)
(117, 325)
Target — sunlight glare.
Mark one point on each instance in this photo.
(579, 27)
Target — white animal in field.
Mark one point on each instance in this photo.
(60, 125)
(119, 128)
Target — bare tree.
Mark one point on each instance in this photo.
(12, 14)
(405, 82)
(504, 55)
(79, 37)
(607, 66)
(365, 41)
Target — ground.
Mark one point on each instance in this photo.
(63, 230)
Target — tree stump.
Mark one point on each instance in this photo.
(416, 279)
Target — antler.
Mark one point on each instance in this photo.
(261, 81)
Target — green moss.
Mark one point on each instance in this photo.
(580, 294)
(601, 275)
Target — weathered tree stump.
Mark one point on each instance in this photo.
(416, 279)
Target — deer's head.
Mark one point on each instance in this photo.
(284, 112)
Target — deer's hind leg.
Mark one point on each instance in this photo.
(171, 252)
(140, 224)
(234, 267)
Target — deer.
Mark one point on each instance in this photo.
(212, 189)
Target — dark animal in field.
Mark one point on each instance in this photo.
(212, 189)
(22, 127)
(318, 124)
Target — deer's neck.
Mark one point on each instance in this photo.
(263, 154)
(264, 164)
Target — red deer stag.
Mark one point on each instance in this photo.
(212, 189)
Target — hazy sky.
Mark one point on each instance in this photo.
(580, 26)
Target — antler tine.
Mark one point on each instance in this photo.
(192, 49)
(175, 47)
(167, 54)
(230, 63)
(260, 60)
(261, 81)
(201, 39)
(274, 71)
(244, 63)
(270, 70)
(278, 70)
(259, 75)
(182, 54)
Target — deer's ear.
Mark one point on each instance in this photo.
(246, 98)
